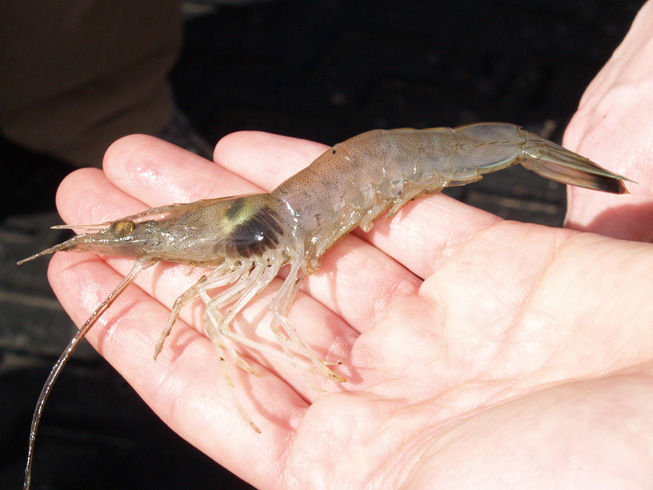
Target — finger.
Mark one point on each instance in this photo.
(621, 144)
(86, 196)
(159, 173)
(266, 159)
(612, 127)
(184, 386)
(427, 232)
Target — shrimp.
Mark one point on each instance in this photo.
(246, 240)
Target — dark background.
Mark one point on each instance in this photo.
(323, 70)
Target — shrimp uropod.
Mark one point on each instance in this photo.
(246, 240)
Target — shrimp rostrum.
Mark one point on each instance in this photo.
(246, 240)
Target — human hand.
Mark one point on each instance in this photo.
(613, 128)
(479, 353)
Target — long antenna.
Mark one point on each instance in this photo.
(65, 357)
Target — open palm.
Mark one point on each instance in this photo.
(478, 352)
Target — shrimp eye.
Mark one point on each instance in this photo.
(121, 229)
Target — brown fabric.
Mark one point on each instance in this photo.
(75, 75)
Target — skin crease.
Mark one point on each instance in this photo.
(479, 353)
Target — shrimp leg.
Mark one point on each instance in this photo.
(279, 307)
(213, 280)
(242, 293)
(218, 325)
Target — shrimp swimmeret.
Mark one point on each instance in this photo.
(246, 240)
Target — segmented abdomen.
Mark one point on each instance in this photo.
(354, 181)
